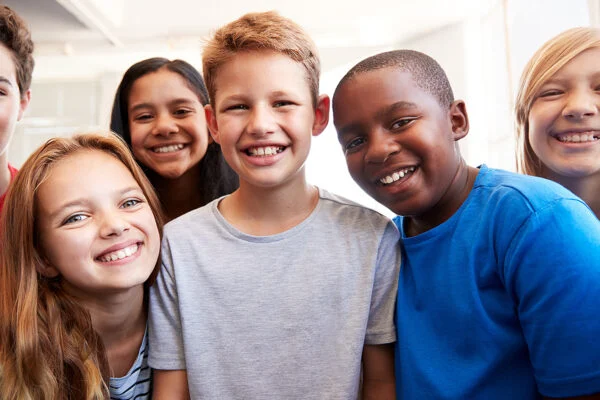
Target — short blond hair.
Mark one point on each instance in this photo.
(258, 32)
(551, 57)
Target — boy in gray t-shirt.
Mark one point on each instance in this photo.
(279, 290)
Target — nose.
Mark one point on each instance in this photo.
(581, 104)
(165, 125)
(380, 146)
(261, 121)
(113, 224)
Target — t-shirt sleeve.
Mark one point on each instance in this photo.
(552, 271)
(166, 342)
(381, 328)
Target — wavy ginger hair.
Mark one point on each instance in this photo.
(551, 57)
(48, 346)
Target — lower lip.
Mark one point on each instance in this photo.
(123, 261)
(264, 161)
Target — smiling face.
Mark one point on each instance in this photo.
(12, 104)
(96, 228)
(167, 124)
(263, 117)
(399, 142)
(564, 121)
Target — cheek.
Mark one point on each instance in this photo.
(138, 137)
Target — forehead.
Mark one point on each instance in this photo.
(251, 70)
(587, 61)
(159, 84)
(85, 173)
(368, 93)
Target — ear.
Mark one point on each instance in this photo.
(459, 119)
(46, 268)
(25, 99)
(211, 120)
(321, 114)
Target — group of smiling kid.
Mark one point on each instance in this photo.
(486, 285)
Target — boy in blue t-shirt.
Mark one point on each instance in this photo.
(499, 288)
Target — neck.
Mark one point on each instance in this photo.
(587, 188)
(457, 192)
(267, 211)
(4, 174)
(120, 320)
(178, 196)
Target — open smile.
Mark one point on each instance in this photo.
(578, 137)
(397, 175)
(169, 148)
(119, 254)
(264, 151)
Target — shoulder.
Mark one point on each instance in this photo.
(344, 209)
(513, 192)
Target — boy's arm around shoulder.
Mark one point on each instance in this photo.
(170, 385)
(551, 270)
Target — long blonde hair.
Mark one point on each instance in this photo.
(48, 347)
(549, 58)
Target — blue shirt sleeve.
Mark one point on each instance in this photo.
(552, 271)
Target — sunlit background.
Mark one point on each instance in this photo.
(84, 46)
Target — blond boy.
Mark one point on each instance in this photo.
(280, 290)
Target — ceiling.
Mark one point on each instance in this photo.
(88, 36)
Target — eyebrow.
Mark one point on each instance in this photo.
(174, 102)
(397, 106)
(5, 80)
(79, 202)
(559, 80)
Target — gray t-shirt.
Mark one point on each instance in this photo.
(274, 317)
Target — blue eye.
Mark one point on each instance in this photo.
(237, 107)
(282, 103)
(75, 218)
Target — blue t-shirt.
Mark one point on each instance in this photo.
(502, 300)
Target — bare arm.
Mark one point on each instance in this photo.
(170, 385)
(379, 381)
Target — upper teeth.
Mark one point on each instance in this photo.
(119, 254)
(577, 137)
(169, 148)
(265, 151)
(396, 175)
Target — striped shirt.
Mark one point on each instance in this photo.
(137, 384)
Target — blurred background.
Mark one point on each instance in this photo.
(84, 46)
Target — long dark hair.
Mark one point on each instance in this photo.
(216, 177)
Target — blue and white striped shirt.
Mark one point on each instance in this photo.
(137, 384)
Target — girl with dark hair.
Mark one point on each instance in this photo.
(159, 111)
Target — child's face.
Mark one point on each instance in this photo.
(167, 124)
(398, 140)
(12, 104)
(96, 227)
(263, 117)
(564, 121)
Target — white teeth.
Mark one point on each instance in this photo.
(265, 151)
(168, 149)
(386, 180)
(577, 138)
(119, 254)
